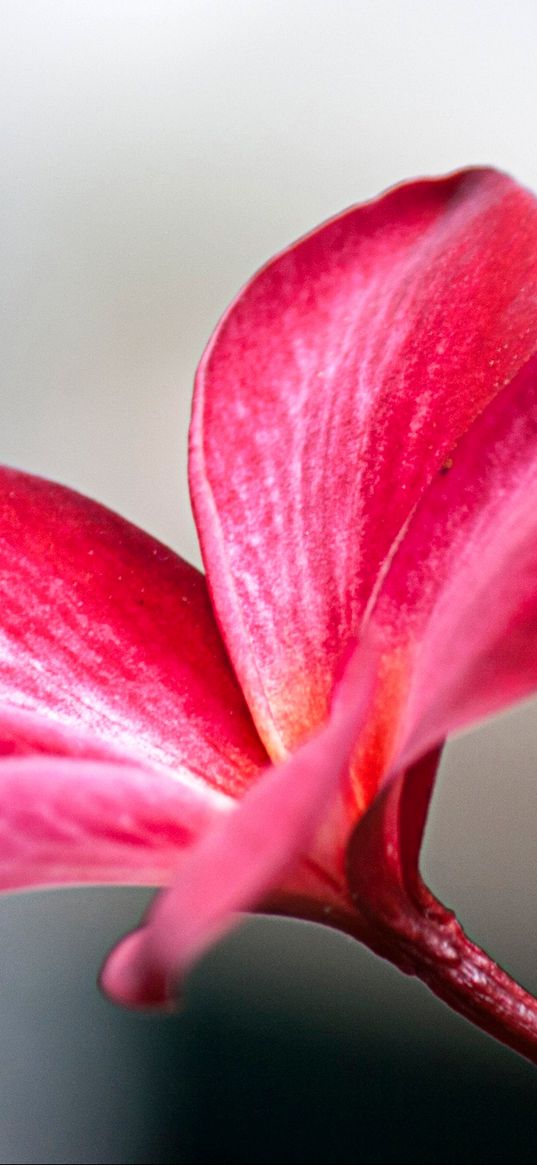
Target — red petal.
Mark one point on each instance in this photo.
(412, 929)
(73, 821)
(331, 394)
(243, 856)
(108, 645)
(459, 604)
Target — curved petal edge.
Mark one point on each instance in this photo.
(242, 858)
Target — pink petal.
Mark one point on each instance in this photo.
(245, 855)
(411, 928)
(458, 607)
(74, 821)
(108, 645)
(332, 392)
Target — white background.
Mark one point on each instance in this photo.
(153, 155)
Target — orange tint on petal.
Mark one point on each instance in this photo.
(321, 872)
(376, 747)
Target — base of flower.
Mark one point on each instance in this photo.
(406, 924)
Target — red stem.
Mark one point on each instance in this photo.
(416, 932)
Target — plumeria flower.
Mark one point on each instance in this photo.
(363, 467)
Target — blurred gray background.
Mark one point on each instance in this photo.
(153, 155)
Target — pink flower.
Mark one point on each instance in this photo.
(363, 465)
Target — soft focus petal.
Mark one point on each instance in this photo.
(73, 821)
(108, 645)
(458, 608)
(244, 856)
(330, 396)
(411, 928)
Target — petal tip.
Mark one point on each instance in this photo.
(130, 979)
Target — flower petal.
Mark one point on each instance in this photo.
(332, 392)
(108, 645)
(413, 930)
(66, 821)
(244, 856)
(458, 607)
